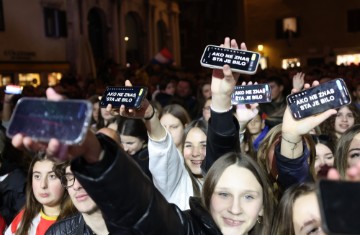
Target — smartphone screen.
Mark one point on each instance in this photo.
(239, 61)
(13, 89)
(131, 97)
(329, 95)
(339, 206)
(41, 119)
(249, 94)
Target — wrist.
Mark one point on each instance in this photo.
(151, 115)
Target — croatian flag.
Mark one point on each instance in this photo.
(163, 57)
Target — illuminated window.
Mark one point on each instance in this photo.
(290, 63)
(348, 59)
(54, 78)
(5, 79)
(287, 28)
(32, 79)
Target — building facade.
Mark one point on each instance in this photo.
(40, 40)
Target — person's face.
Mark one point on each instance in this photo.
(206, 91)
(306, 215)
(170, 89)
(237, 201)
(206, 110)
(105, 114)
(276, 90)
(95, 112)
(183, 89)
(255, 125)
(344, 120)
(354, 151)
(131, 144)
(174, 126)
(46, 185)
(195, 149)
(324, 156)
(79, 197)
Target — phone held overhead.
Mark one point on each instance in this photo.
(130, 97)
(328, 95)
(42, 119)
(240, 61)
(249, 94)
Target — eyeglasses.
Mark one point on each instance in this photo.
(67, 180)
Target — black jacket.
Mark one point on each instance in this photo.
(131, 204)
(12, 194)
(74, 225)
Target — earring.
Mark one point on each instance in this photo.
(259, 219)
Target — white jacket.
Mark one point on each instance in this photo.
(170, 176)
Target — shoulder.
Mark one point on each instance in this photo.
(65, 226)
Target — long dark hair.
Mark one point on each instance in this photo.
(33, 207)
(283, 223)
(201, 124)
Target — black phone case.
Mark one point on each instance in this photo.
(329, 95)
(249, 94)
(42, 119)
(131, 97)
(339, 206)
(239, 60)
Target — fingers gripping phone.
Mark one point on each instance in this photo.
(329, 95)
(42, 119)
(339, 206)
(131, 97)
(240, 61)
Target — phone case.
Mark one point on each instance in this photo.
(240, 61)
(131, 97)
(329, 95)
(249, 94)
(339, 206)
(42, 119)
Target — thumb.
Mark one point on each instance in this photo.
(128, 83)
(228, 76)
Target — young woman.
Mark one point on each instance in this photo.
(298, 212)
(347, 153)
(335, 126)
(46, 200)
(134, 140)
(324, 159)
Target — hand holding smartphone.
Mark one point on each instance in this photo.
(240, 61)
(131, 97)
(329, 95)
(42, 119)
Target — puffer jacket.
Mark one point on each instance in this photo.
(129, 201)
(74, 225)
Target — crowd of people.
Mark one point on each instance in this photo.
(186, 162)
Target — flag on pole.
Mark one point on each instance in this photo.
(163, 57)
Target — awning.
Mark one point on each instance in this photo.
(25, 67)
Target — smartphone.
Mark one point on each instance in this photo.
(249, 94)
(131, 97)
(329, 95)
(13, 89)
(339, 206)
(240, 61)
(42, 119)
